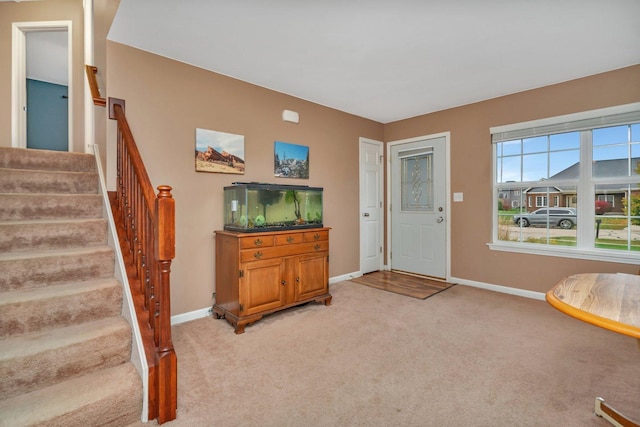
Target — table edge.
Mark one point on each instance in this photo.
(592, 319)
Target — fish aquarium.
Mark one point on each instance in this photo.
(254, 207)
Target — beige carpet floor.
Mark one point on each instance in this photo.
(464, 357)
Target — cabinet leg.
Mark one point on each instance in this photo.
(326, 299)
(218, 313)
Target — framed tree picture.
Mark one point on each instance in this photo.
(290, 160)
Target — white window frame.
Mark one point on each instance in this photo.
(586, 232)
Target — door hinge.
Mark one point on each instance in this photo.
(241, 273)
(380, 249)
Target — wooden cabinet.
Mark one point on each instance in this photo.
(260, 273)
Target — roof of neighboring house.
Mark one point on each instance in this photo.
(543, 190)
(601, 168)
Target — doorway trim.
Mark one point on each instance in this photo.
(380, 209)
(19, 77)
(447, 190)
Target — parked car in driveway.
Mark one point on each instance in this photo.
(555, 217)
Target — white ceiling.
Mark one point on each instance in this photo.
(47, 56)
(388, 60)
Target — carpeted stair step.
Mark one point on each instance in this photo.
(110, 397)
(53, 182)
(58, 306)
(22, 158)
(42, 359)
(39, 269)
(65, 348)
(21, 207)
(40, 235)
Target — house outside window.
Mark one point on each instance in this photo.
(586, 163)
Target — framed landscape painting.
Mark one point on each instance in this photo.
(219, 152)
(291, 160)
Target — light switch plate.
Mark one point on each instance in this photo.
(457, 197)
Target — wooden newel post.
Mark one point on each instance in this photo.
(166, 361)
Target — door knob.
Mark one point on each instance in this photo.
(365, 214)
(439, 220)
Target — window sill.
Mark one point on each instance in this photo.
(621, 257)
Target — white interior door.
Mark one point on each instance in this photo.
(418, 207)
(41, 61)
(371, 210)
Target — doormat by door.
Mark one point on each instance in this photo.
(403, 284)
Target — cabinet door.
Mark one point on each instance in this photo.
(260, 286)
(312, 276)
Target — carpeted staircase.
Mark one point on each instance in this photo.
(65, 349)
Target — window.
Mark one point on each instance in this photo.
(610, 199)
(587, 167)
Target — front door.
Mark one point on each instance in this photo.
(418, 207)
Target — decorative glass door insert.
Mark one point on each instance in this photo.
(417, 180)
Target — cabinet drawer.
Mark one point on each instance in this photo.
(288, 239)
(249, 255)
(256, 242)
(315, 236)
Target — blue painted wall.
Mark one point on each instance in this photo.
(47, 116)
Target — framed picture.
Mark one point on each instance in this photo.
(219, 152)
(291, 160)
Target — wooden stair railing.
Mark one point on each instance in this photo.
(145, 224)
(146, 229)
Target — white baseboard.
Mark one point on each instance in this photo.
(204, 312)
(498, 288)
(192, 315)
(344, 277)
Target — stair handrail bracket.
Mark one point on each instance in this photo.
(147, 222)
(91, 72)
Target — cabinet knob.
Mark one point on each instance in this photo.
(297, 279)
(316, 236)
(258, 255)
(258, 242)
(290, 239)
(284, 282)
(316, 246)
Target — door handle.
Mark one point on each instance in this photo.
(439, 220)
(365, 214)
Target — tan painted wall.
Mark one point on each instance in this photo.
(103, 12)
(167, 100)
(50, 10)
(469, 125)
